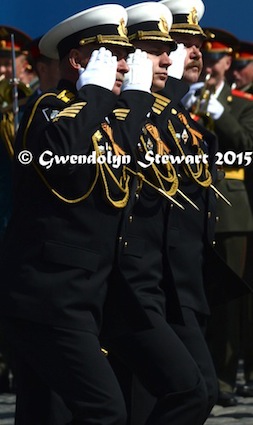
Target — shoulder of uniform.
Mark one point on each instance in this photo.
(160, 103)
(241, 94)
(66, 96)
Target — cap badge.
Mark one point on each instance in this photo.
(208, 46)
(2, 44)
(122, 30)
(163, 25)
(192, 18)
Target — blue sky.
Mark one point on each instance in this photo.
(35, 18)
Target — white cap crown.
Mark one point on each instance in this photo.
(104, 24)
(186, 15)
(150, 21)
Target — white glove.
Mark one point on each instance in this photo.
(190, 98)
(140, 74)
(176, 69)
(101, 70)
(215, 109)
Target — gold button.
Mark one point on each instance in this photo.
(120, 238)
(125, 244)
(214, 243)
(130, 218)
(209, 214)
(217, 219)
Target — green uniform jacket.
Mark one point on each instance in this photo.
(234, 130)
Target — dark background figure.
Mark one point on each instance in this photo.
(7, 133)
(47, 69)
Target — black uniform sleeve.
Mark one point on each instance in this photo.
(66, 128)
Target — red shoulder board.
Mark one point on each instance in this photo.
(243, 94)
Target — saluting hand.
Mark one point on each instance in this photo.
(176, 69)
(100, 70)
(140, 73)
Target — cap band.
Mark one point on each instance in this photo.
(152, 31)
(81, 38)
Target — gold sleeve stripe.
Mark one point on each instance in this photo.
(161, 99)
(78, 104)
(64, 114)
(73, 108)
(122, 110)
(160, 103)
(121, 114)
(71, 111)
(156, 110)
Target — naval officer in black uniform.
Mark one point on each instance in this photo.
(188, 231)
(143, 261)
(60, 244)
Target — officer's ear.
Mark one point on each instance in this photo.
(228, 61)
(75, 58)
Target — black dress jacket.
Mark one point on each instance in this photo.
(195, 265)
(61, 243)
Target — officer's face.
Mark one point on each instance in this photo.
(5, 68)
(122, 68)
(193, 60)
(216, 68)
(121, 54)
(158, 53)
(244, 76)
(21, 68)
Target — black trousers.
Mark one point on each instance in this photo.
(140, 400)
(225, 324)
(194, 339)
(167, 371)
(69, 362)
(86, 384)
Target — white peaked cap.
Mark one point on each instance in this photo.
(150, 21)
(104, 24)
(186, 16)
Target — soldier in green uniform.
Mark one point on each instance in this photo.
(242, 82)
(230, 117)
(242, 67)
